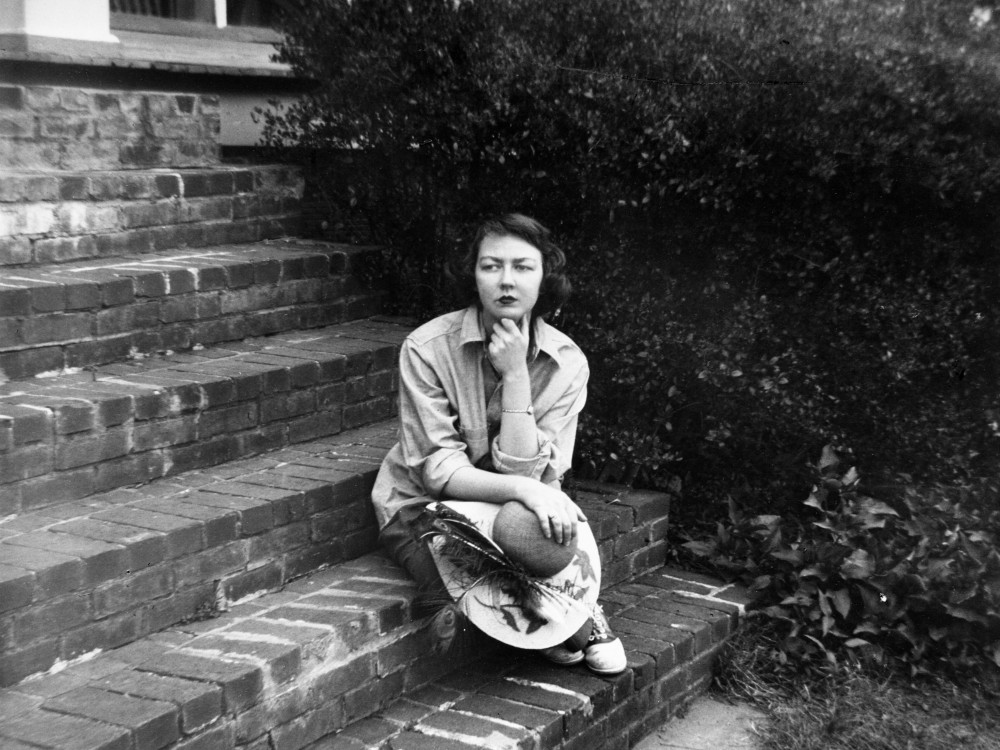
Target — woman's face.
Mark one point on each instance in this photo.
(508, 277)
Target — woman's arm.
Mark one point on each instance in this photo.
(539, 445)
(557, 514)
(508, 351)
(428, 431)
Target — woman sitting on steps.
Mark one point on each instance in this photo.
(489, 401)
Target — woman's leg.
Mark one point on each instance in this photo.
(401, 539)
(578, 641)
(595, 642)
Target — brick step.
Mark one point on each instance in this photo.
(77, 434)
(56, 217)
(672, 624)
(294, 669)
(104, 571)
(47, 128)
(76, 315)
(283, 669)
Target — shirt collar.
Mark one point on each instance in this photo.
(472, 333)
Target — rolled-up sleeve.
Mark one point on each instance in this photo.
(431, 445)
(556, 432)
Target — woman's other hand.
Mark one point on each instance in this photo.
(557, 514)
(508, 346)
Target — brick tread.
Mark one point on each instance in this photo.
(105, 571)
(337, 660)
(68, 437)
(30, 186)
(108, 282)
(74, 315)
(513, 699)
(61, 217)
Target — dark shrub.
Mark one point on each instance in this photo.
(916, 581)
(780, 217)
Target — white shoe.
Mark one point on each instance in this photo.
(604, 653)
(563, 656)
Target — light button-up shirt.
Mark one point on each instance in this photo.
(446, 421)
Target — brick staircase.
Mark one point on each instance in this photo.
(193, 409)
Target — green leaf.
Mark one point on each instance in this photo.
(828, 459)
(877, 507)
(874, 605)
(939, 569)
(824, 605)
(937, 634)
(992, 587)
(859, 565)
(828, 623)
(769, 522)
(856, 643)
(842, 601)
(968, 615)
(814, 501)
(959, 595)
(812, 572)
(871, 522)
(778, 613)
(792, 556)
(701, 549)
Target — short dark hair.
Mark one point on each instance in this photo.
(555, 288)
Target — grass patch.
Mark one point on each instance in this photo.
(852, 707)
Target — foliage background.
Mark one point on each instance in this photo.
(781, 219)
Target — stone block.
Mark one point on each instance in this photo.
(16, 125)
(109, 633)
(241, 684)
(12, 97)
(91, 155)
(22, 154)
(73, 127)
(49, 729)
(199, 703)
(17, 587)
(56, 488)
(75, 100)
(15, 251)
(134, 590)
(25, 462)
(46, 620)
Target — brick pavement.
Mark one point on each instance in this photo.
(515, 700)
(294, 666)
(77, 435)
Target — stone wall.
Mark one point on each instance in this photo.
(43, 127)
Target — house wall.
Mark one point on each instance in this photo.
(71, 43)
(67, 19)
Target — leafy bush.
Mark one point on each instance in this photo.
(781, 225)
(449, 111)
(797, 197)
(917, 580)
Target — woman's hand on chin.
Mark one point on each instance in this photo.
(557, 514)
(508, 346)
